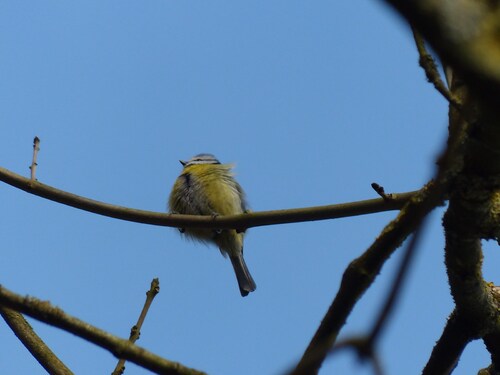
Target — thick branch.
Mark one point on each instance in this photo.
(248, 220)
(492, 342)
(463, 258)
(449, 347)
(120, 348)
(471, 216)
(33, 342)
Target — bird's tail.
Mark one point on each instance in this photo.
(245, 280)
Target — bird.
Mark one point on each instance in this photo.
(207, 187)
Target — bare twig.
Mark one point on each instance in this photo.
(364, 352)
(360, 347)
(472, 50)
(120, 348)
(426, 61)
(135, 332)
(244, 221)
(36, 148)
(33, 342)
(362, 271)
(365, 346)
(396, 287)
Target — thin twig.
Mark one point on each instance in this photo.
(426, 61)
(359, 345)
(365, 346)
(120, 348)
(243, 221)
(38, 349)
(476, 56)
(396, 286)
(361, 273)
(135, 332)
(36, 148)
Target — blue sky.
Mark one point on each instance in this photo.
(312, 101)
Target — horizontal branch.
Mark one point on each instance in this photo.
(248, 220)
(45, 312)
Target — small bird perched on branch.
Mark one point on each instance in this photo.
(207, 187)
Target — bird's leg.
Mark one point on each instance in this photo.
(181, 230)
(216, 232)
(239, 230)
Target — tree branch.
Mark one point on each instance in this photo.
(120, 348)
(492, 342)
(429, 66)
(365, 352)
(472, 48)
(361, 273)
(33, 342)
(135, 332)
(396, 287)
(472, 215)
(244, 221)
(365, 346)
(449, 348)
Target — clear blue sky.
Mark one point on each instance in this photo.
(312, 100)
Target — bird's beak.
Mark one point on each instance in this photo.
(183, 162)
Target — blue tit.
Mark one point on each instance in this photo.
(207, 187)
